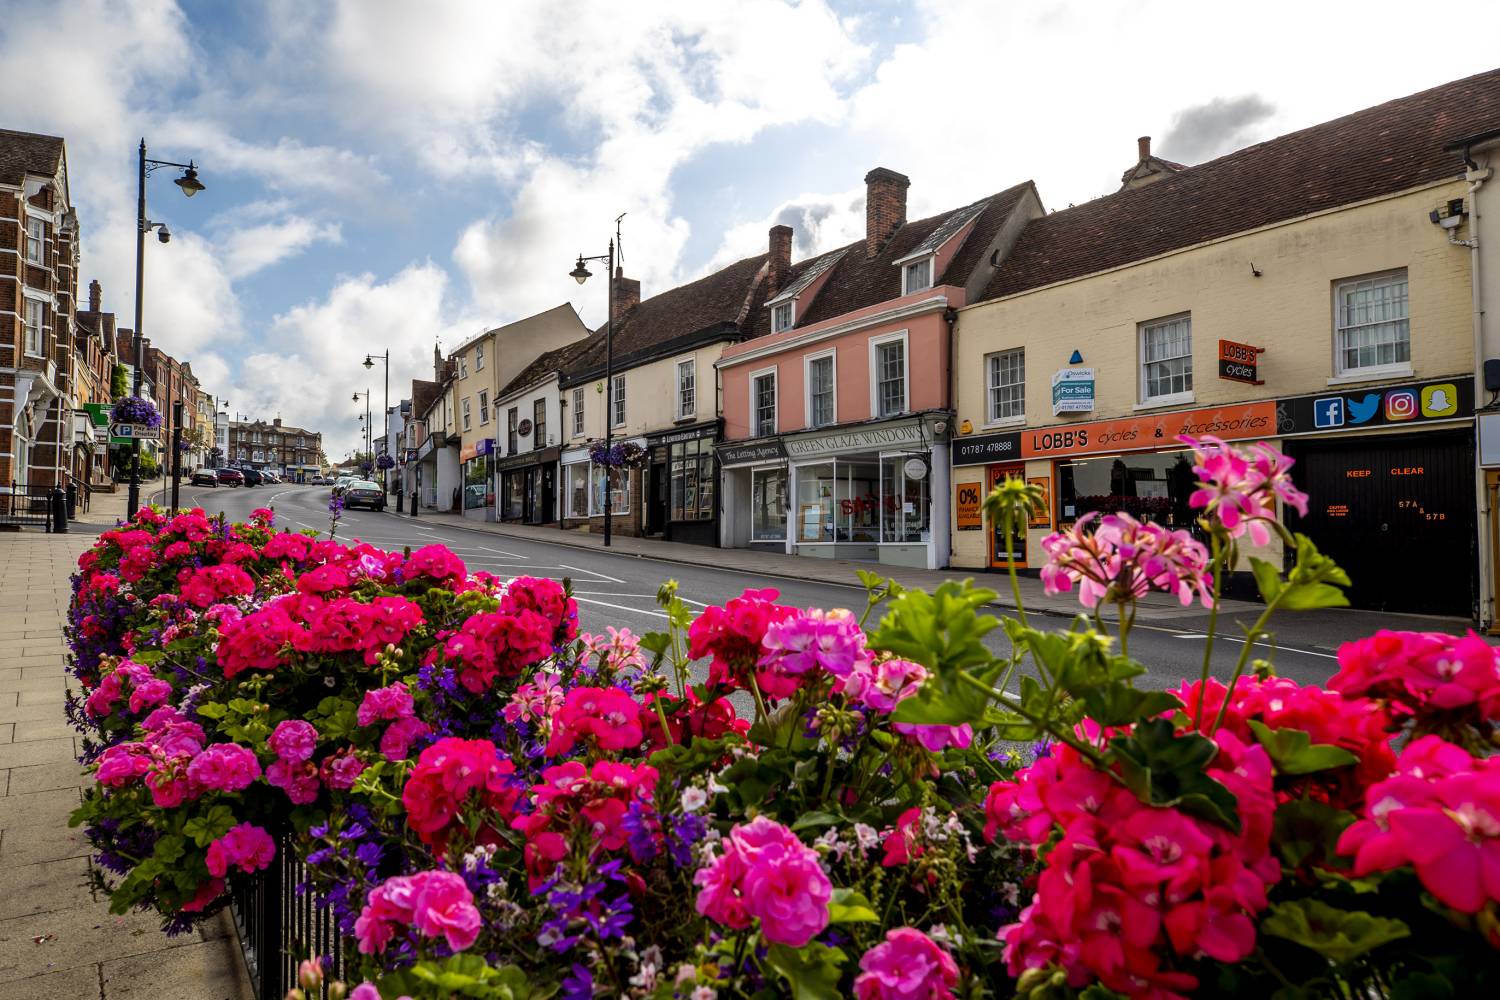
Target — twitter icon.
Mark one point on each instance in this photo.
(1362, 410)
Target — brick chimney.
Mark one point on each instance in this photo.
(1143, 148)
(274, 423)
(779, 265)
(625, 294)
(885, 206)
(96, 295)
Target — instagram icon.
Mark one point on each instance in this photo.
(1400, 404)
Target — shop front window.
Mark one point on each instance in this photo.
(576, 489)
(477, 488)
(1147, 486)
(905, 498)
(858, 516)
(815, 503)
(768, 505)
(513, 496)
(619, 489)
(692, 471)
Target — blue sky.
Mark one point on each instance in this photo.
(390, 174)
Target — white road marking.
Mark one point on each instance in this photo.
(501, 552)
(1235, 638)
(590, 572)
(621, 607)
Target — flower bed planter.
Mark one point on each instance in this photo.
(431, 784)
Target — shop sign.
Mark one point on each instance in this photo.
(1149, 432)
(1489, 440)
(986, 449)
(1073, 391)
(915, 468)
(967, 499)
(747, 454)
(689, 435)
(859, 439)
(1391, 406)
(1041, 511)
(411, 454)
(524, 427)
(1239, 362)
(468, 452)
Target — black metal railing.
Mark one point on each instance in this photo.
(27, 506)
(279, 926)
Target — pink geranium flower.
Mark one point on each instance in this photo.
(1122, 558)
(765, 872)
(1239, 487)
(246, 847)
(907, 965)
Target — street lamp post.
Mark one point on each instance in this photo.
(580, 274)
(385, 420)
(190, 186)
(369, 446)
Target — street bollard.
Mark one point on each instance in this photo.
(59, 511)
(72, 500)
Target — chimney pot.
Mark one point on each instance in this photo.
(885, 206)
(96, 295)
(1143, 147)
(780, 259)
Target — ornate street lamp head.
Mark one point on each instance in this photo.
(580, 273)
(189, 181)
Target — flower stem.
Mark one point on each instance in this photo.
(1061, 735)
(1213, 622)
(1015, 580)
(1239, 666)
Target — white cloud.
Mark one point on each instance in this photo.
(311, 360)
(255, 248)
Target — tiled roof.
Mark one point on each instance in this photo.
(715, 300)
(807, 272)
(23, 153)
(423, 394)
(1378, 151)
(548, 364)
(858, 280)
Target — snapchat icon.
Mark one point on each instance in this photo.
(1439, 400)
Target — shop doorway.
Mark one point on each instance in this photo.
(1001, 556)
(1398, 514)
(656, 505)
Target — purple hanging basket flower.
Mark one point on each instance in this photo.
(135, 410)
(385, 462)
(618, 455)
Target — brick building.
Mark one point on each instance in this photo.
(38, 291)
(94, 361)
(292, 452)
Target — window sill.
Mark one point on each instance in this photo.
(1160, 402)
(1004, 422)
(686, 418)
(1374, 374)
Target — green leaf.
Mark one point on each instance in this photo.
(147, 656)
(1306, 832)
(211, 826)
(1338, 935)
(169, 849)
(1267, 579)
(1294, 752)
(813, 820)
(211, 710)
(850, 907)
(1165, 768)
(811, 971)
(1314, 580)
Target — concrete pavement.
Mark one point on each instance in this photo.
(57, 937)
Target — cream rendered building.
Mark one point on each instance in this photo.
(1114, 326)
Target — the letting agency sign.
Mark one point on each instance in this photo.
(1073, 391)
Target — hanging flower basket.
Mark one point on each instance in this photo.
(385, 462)
(135, 410)
(621, 454)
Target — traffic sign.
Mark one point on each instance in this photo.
(126, 433)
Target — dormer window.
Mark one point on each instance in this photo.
(783, 315)
(916, 276)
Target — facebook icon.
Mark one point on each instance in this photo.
(1328, 412)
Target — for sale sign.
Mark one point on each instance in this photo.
(1239, 362)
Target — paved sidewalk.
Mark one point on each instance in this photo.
(1153, 608)
(57, 937)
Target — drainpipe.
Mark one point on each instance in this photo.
(1477, 177)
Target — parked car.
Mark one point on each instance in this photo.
(269, 478)
(205, 477)
(341, 483)
(363, 493)
(252, 476)
(231, 477)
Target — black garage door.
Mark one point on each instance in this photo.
(1398, 514)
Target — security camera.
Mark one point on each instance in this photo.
(164, 235)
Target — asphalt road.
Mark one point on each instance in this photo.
(620, 590)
